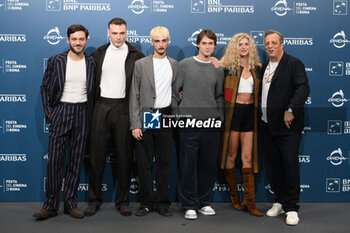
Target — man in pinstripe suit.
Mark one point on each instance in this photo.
(67, 100)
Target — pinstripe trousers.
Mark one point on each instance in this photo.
(68, 127)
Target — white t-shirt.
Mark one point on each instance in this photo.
(163, 74)
(74, 90)
(266, 82)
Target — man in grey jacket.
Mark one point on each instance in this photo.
(150, 96)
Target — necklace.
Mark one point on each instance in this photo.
(268, 75)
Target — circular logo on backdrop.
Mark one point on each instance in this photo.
(134, 186)
(193, 37)
(53, 36)
(336, 157)
(339, 40)
(138, 6)
(338, 99)
(281, 8)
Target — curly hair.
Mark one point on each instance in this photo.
(232, 60)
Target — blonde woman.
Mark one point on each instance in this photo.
(242, 79)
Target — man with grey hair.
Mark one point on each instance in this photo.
(150, 93)
(284, 91)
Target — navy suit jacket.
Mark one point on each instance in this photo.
(289, 89)
(54, 78)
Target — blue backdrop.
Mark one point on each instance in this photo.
(317, 32)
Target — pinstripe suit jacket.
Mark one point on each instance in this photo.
(54, 78)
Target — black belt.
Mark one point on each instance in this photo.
(163, 110)
(111, 101)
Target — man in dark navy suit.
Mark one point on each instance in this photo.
(67, 92)
(284, 91)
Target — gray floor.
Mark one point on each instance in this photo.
(315, 217)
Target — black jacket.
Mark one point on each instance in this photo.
(289, 89)
(133, 55)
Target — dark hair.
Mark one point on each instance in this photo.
(117, 21)
(280, 36)
(75, 28)
(207, 33)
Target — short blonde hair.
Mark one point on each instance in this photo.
(159, 31)
(231, 58)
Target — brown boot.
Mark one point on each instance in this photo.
(249, 193)
(232, 183)
(44, 214)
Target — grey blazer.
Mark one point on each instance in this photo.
(142, 91)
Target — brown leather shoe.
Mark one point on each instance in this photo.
(90, 210)
(44, 214)
(125, 210)
(74, 213)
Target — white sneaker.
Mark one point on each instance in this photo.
(207, 210)
(191, 214)
(292, 218)
(275, 210)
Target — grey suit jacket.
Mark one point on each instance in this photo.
(143, 91)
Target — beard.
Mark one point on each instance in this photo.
(75, 51)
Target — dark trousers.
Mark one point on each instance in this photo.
(110, 123)
(155, 143)
(198, 163)
(281, 155)
(68, 125)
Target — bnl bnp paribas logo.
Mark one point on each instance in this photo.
(281, 8)
(336, 157)
(340, 7)
(152, 120)
(258, 37)
(336, 68)
(76, 5)
(298, 41)
(53, 36)
(219, 6)
(335, 127)
(339, 40)
(14, 38)
(337, 185)
(13, 98)
(134, 38)
(338, 99)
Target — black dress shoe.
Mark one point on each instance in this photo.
(164, 211)
(90, 210)
(74, 213)
(125, 210)
(44, 214)
(142, 211)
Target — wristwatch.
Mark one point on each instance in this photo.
(290, 110)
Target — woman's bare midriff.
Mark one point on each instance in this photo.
(244, 98)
